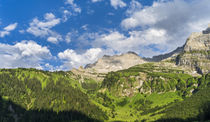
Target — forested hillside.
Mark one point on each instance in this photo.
(33, 95)
(194, 108)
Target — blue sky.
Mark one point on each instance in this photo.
(62, 34)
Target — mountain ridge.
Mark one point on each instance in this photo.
(197, 42)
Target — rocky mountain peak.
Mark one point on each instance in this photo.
(207, 31)
(197, 41)
(132, 53)
(116, 62)
(196, 53)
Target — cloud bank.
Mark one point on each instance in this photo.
(117, 3)
(27, 54)
(72, 59)
(43, 28)
(156, 29)
(171, 22)
(146, 30)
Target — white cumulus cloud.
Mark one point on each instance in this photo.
(137, 41)
(27, 54)
(73, 60)
(172, 20)
(6, 30)
(74, 6)
(118, 3)
(43, 28)
(52, 39)
(133, 7)
(68, 37)
(114, 3)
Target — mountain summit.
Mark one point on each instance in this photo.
(207, 31)
(196, 52)
(116, 62)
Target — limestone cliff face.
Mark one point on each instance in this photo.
(196, 52)
(113, 63)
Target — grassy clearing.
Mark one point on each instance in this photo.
(134, 108)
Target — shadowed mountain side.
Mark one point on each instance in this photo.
(10, 112)
(195, 108)
(204, 116)
(39, 90)
(175, 120)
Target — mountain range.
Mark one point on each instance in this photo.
(169, 87)
(194, 54)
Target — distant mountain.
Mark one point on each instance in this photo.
(117, 62)
(166, 56)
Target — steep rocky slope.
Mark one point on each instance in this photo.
(196, 52)
(114, 63)
(193, 55)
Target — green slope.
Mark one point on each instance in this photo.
(155, 79)
(193, 108)
(51, 91)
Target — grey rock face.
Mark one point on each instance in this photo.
(196, 53)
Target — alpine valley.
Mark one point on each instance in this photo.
(169, 87)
